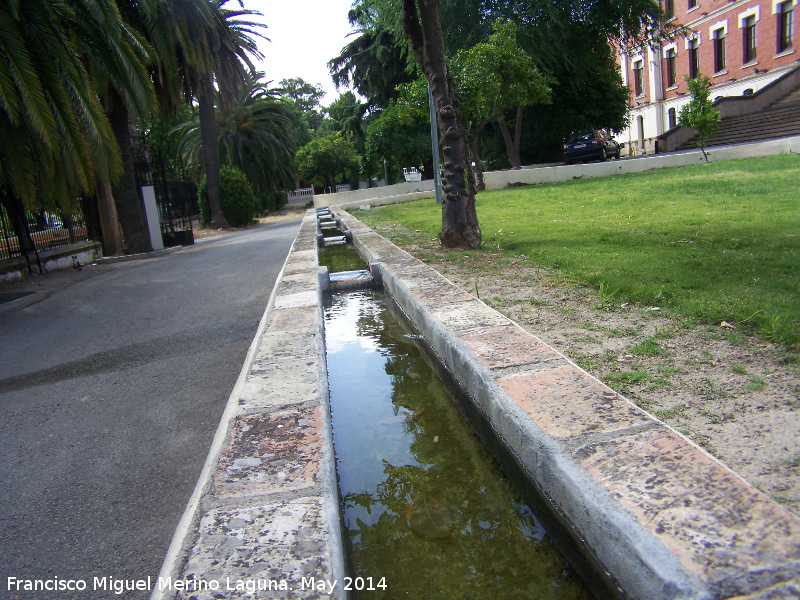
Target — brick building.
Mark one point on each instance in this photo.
(741, 45)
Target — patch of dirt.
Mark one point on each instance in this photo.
(736, 396)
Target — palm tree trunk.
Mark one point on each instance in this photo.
(109, 224)
(460, 227)
(208, 136)
(130, 211)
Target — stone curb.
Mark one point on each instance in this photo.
(659, 515)
(264, 520)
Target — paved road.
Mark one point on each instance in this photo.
(110, 392)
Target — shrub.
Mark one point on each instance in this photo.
(236, 198)
(271, 201)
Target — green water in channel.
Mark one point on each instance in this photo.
(339, 257)
(428, 511)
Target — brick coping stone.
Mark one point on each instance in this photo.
(658, 515)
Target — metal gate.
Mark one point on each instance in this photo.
(176, 197)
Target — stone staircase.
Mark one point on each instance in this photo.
(779, 119)
(772, 112)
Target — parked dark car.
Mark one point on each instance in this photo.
(593, 144)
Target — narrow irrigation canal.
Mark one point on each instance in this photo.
(428, 511)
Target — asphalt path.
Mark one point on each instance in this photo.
(111, 389)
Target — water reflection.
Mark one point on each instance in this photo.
(340, 257)
(426, 506)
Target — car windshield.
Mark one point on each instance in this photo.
(583, 136)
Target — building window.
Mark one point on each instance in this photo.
(638, 78)
(694, 59)
(785, 26)
(749, 39)
(692, 4)
(672, 116)
(669, 8)
(719, 50)
(672, 68)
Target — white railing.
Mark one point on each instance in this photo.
(343, 187)
(412, 174)
(301, 194)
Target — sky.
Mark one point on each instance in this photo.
(305, 35)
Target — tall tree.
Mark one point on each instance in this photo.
(374, 62)
(306, 96)
(346, 115)
(328, 159)
(460, 227)
(255, 133)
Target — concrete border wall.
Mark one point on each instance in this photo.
(52, 260)
(371, 194)
(501, 179)
(495, 180)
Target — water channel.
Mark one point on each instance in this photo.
(428, 511)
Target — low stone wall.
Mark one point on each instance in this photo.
(371, 194)
(501, 179)
(52, 260)
(659, 515)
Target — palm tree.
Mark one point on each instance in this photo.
(255, 133)
(231, 39)
(54, 57)
(56, 137)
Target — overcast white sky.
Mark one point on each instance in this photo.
(305, 35)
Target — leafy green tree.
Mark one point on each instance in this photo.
(402, 138)
(587, 89)
(699, 113)
(497, 76)
(374, 62)
(346, 115)
(328, 159)
(306, 97)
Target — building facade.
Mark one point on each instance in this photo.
(741, 45)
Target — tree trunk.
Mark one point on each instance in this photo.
(518, 129)
(479, 183)
(130, 211)
(109, 224)
(17, 214)
(460, 227)
(210, 143)
(511, 151)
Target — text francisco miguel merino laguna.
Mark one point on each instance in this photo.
(120, 586)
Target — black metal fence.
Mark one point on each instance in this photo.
(27, 233)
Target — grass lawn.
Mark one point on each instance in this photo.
(711, 242)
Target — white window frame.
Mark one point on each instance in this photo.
(777, 3)
(716, 27)
(673, 46)
(753, 12)
(690, 38)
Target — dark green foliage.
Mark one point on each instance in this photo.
(270, 201)
(237, 200)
